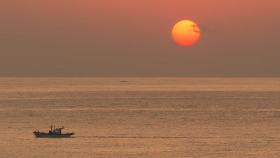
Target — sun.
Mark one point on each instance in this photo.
(186, 33)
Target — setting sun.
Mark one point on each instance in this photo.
(186, 33)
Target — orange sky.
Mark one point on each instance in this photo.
(132, 38)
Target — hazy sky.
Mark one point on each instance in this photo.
(132, 38)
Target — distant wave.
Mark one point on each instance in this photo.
(133, 137)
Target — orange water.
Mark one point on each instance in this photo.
(145, 117)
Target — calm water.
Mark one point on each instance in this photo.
(143, 118)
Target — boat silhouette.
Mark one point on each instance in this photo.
(53, 133)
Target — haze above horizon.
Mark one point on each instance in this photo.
(133, 38)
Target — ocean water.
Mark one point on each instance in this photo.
(141, 118)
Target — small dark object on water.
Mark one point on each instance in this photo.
(123, 81)
(53, 133)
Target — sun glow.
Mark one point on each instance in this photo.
(186, 33)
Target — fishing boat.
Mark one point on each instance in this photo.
(53, 133)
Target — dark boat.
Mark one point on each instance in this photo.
(53, 133)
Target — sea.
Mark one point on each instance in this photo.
(141, 117)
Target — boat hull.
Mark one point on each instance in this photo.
(51, 135)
